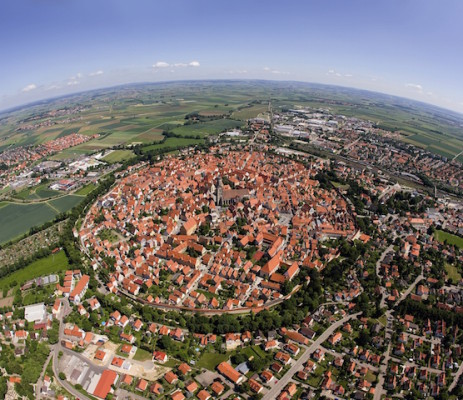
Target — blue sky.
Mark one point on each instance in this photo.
(410, 48)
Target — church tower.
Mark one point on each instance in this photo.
(219, 195)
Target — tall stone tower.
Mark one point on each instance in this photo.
(219, 194)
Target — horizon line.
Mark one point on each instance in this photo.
(55, 98)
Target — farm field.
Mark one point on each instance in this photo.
(48, 265)
(148, 136)
(65, 203)
(16, 219)
(173, 142)
(139, 113)
(441, 236)
(208, 127)
(250, 112)
(118, 155)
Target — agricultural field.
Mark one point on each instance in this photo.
(174, 142)
(65, 203)
(139, 113)
(148, 136)
(52, 264)
(118, 156)
(250, 112)
(16, 219)
(442, 236)
(208, 127)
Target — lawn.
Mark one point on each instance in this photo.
(382, 320)
(142, 355)
(370, 377)
(442, 236)
(118, 155)
(45, 266)
(340, 186)
(452, 273)
(254, 351)
(37, 192)
(109, 235)
(211, 360)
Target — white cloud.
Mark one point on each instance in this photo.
(161, 64)
(415, 86)
(72, 82)
(53, 87)
(333, 72)
(30, 87)
(275, 71)
(96, 73)
(239, 71)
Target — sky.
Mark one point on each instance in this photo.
(409, 48)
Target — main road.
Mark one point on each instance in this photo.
(276, 389)
(66, 310)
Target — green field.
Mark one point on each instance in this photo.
(65, 203)
(142, 355)
(207, 128)
(442, 236)
(173, 142)
(250, 112)
(37, 192)
(211, 360)
(139, 113)
(45, 266)
(85, 190)
(452, 273)
(119, 155)
(16, 219)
